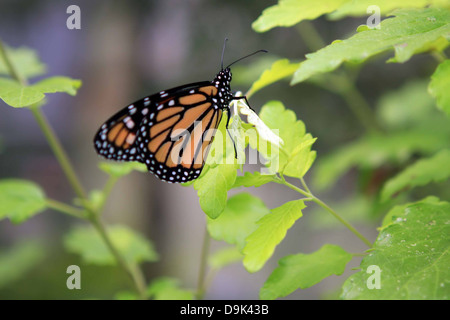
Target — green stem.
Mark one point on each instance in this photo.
(12, 70)
(439, 56)
(134, 273)
(59, 152)
(106, 192)
(359, 254)
(293, 187)
(49, 134)
(64, 208)
(326, 207)
(203, 264)
(343, 85)
(359, 105)
(310, 36)
(93, 214)
(209, 278)
(342, 220)
(305, 185)
(139, 279)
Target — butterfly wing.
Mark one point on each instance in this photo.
(116, 139)
(176, 136)
(170, 131)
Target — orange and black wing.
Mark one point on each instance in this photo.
(116, 139)
(176, 135)
(170, 131)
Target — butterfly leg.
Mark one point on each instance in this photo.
(246, 101)
(231, 137)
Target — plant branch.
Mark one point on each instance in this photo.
(326, 207)
(59, 152)
(93, 215)
(305, 185)
(358, 104)
(344, 84)
(439, 56)
(134, 272)
(110, 183)
(65, 208)
(50, 135)
(203, 264)
(343, 221)
(310, 36)
(12, 70)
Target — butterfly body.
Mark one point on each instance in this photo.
(170, 131)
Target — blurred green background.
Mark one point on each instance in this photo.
(129, 49)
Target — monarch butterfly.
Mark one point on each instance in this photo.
(170, 131)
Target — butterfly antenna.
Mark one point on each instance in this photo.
(223, 52)
(249, 55)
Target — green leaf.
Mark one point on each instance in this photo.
(373, 151)
(219, 174)
(358, 8)
(412, 254)
(166, 288)
(410, 32)
(424, 171)
(416, 127)
(212, 189)
(301, 158)
(20, 200)
(238, 220)
(25, 62)
(277, 117)
(279, 70)
(253, 179)
(289, 159)
(438, 88)
(58, 84)
(119, 169)
(224, 257)
(304, 270)
(245, 75)
(86, 242)
(18, 260)
(290, 12)
(272, 228)
(396, 213)
(18, 96)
